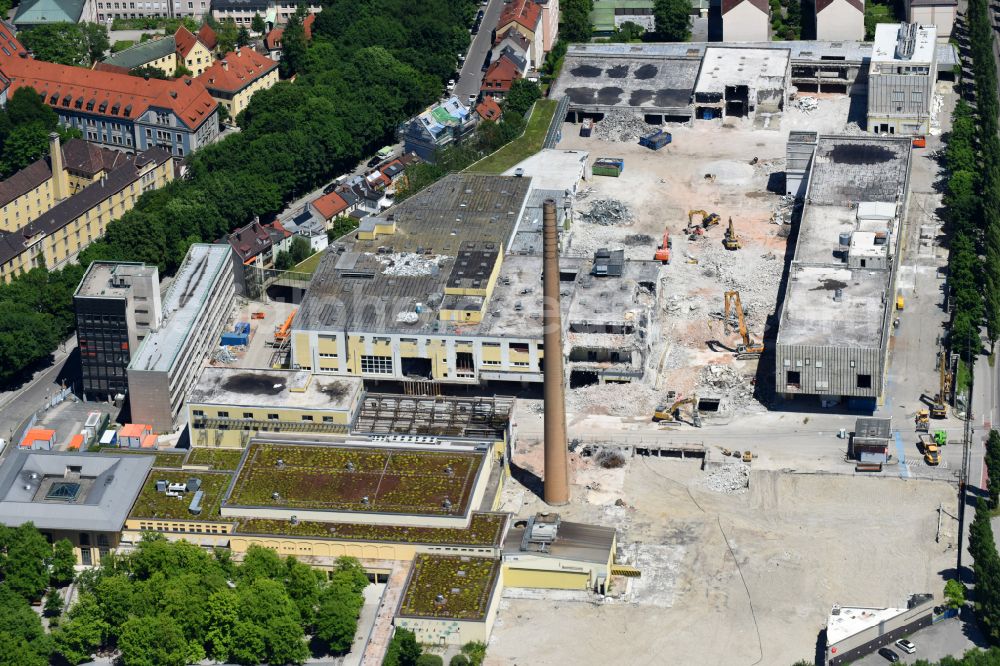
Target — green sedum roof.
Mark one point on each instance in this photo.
(39, 12)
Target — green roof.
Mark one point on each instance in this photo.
(449, 587)
(48, 11)
(143, 53)
(154, 505)
(603, 15)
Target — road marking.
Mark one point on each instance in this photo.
(904, 471)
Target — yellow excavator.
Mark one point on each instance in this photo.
(939, 405)
(748, 349)
(707, 220)
(731, 241)
(671, 412)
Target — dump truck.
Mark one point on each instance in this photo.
(922, 420)
(587, 127)
(932, 454)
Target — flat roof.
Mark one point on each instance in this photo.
(812, 316)
(729, 66)
(369, 480)
(485, 529)
(846, 50)
(846, 621)
(635, 79)
(904, 43)
(275, 388)
(70, 491)
(579, 542)
(449, 587)
(98, 280)
(851, 169)
(187, 295)
(155, 505)
(376, 285)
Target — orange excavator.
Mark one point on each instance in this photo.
(281, 332)
(748, 349)
(663, 252)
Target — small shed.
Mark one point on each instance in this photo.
(132, 434)
(39, 439)
(870, 440)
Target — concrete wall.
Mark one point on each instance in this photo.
(840, 367)
(840, 21)
(942, 16)
(899, 103)
(745, 23)
(552, 580)
(149, 399)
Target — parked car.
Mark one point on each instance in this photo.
(329, 188)
(890, 656)
(906, 646)
(374, 161)
(472, 99)
(479, 16)
(451, 85)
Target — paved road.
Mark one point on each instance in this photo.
(17, 405)
(471, 75)
(950, 637)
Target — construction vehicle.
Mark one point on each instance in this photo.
(707, 220)
(671, 412)
(281, 333)
(939, 405)
(932, 454)
(922, 421)
(731, 241)
(749, 348)
(747, 457)
(663, 251)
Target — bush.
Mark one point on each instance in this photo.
(459, 660)
(121, 45)
(430, 660)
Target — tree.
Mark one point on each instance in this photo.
(153, 641)
(23, 640)
(672, 20)
(95, 38)
(260, 562)
(150, 72)
(459, 660)
(403, 649)
(83, 632)
(628, 31)
(337, 617)
(67, 43)
(227, 34)
(430, 660)
(257, 24)
(954, 592)
(63, 568)
(993, 466)
(575, 23)
(25, 570)
(293, 44)
(283, 262)
(522, 96)
(243, 37)
(300, 249)
(475, 651)
(53, 604)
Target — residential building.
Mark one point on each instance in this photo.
(252, 252)
(901, 78)
(59, 234)
(121, 111)
(550, 23)
(330, 206)
(840, 19)
(524, 16)
(195, 9)
(439, 126)
(500, 77)
(195, 54)
(281, 238)
(517, 47)
(234, 79)
(746, 20)
(83, 497)
(273, 12)
(225, 407)
(207, 36)
(488, 109)
(939, 13)
(117, 304)
(107, 10)
(43, 12)
(33, 190)
(159, 54)
(272, 41)
(169, 360)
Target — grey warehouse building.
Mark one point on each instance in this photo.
(833, 335)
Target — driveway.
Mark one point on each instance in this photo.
(948, 638)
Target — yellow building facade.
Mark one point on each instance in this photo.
(61, 232)
(233, 79)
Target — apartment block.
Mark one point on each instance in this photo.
(169, 360)
(901, 78)
(117, 305)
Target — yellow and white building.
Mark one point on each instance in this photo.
(235, 77)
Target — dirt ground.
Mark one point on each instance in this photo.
(793, 545)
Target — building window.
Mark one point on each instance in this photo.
(272, 417)
(248, 415)
(307, 418)
(85, 557)
(198, 412)
(794, 379)
(327, 419)
(223, 415)
(379, 365)
(864, 381)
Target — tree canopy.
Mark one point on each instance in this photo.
(672, 19)
(67, 43)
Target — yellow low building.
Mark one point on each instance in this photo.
(61, 232)
(233, 79)
(33, 190)
(225, 406)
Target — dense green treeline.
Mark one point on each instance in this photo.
(371, 65)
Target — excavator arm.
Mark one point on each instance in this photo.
(749, 348)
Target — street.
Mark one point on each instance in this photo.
(16, 405)
(471, 74)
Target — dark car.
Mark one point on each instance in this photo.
(479, 16)
(329, 188)
(890, 656)
(374, 161)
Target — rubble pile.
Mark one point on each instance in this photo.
(225, 355)
(409, 264)
(614, 399)
(623, 127)
(725, 380)
(730, 479)
(805, 103)
(607, 211)
(785, 209)
(756, 276)
(767, 167)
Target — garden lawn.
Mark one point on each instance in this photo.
(466, 583)
(220, 459)
(485, 529)
(156, 505)
(525, 145)
(308, 265)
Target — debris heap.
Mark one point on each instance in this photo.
(727, 381)
(409, 264)
(623, 127)
(730, 479)
(607, 212)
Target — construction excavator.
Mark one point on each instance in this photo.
(707, 220)
(748, 349)
(663, 252)
(731, 241)
(671, 412)
(939, 405)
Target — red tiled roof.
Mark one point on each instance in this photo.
(236, 70)
(488, 109)
(208, 37)
(525, 12)
(500, 75)
(9, 44)
(330, 205)
(185, 41)
(729, 5)
(823, 4)
(108, 67)
(273, 38)
(108, 93)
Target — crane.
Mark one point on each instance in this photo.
(748, 349)
(731, 241)
(663, 252)
(939, 406)
(707, 220)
